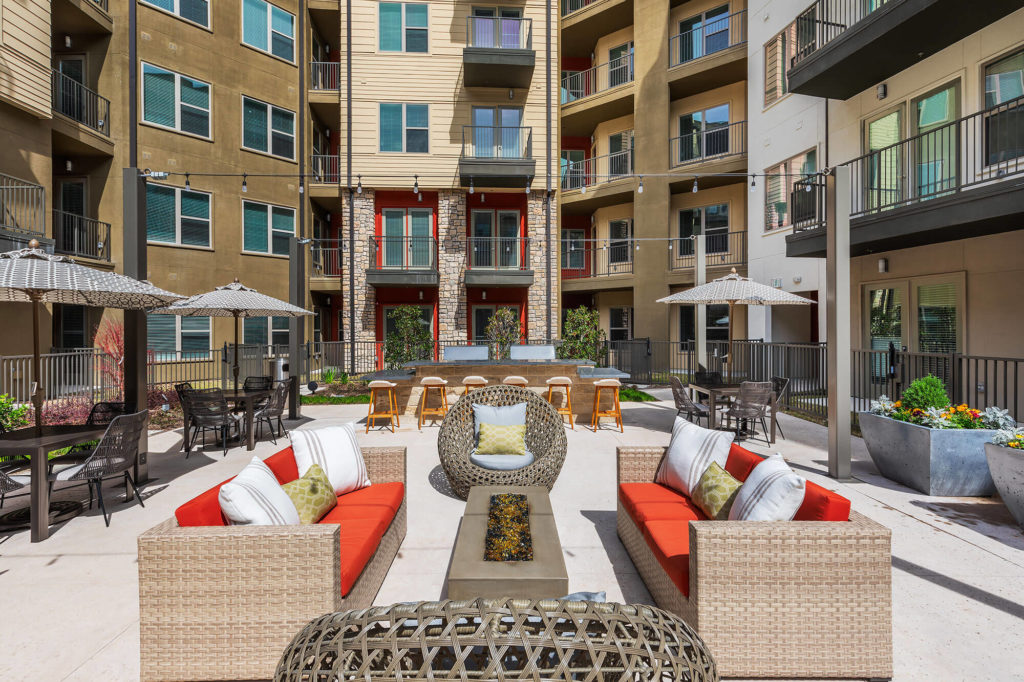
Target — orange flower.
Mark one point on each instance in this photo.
(961, 408)
(898, 403)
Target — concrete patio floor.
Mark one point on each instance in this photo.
(71, 603)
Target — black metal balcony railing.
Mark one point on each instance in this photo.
(982, 149)
(597, 170)
(326, 258)
(79, 103)
(570, 6)
(102, 4)
(715, 35)
(324, 75)
(498, 253)
(403, 252)
(710, 144)
(508, 33)
(586, 258)
(325, 168)
(497, 142)
(826, 20)
(77, 235)
(22, 206)
(721, 247)
(582, 84)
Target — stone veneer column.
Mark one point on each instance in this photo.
(453, 313)
(537, 297)
(365, 299)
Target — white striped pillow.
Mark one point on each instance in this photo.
(772, 492)
(335, 449)
(255, 498)
(690, 452)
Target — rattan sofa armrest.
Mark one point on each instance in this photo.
(638, 464)
(385, 464)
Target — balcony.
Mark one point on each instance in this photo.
(497, 156)
(403, 261)
(584, 19)
(596, 263)
(600, 93)
(709, 56)
(724, 148)
(22, 212)
(324, 76)
(80, 18)
(498, 262)
(326, 265)
(498, 53)
(723, 249)
(961, 179)
(80, 104)
(597, 182)
(842, 47)
(76, 235)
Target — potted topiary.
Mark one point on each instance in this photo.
(1005, 456)
(929, 445)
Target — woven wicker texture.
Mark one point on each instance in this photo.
(498, 640)
(195, 582)
(776, 599)
(545, 439)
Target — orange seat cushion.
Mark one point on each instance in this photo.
(386, 495)
(632, 494)
(821, 504)
(670, 541)
(741, 462)
(359, 540)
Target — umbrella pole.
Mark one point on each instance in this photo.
(37, 395)
(234, 370)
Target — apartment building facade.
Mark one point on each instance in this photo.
(922, 102)
(654, 147)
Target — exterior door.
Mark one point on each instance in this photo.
(484, 34)
(69, 98)
(421, 245)
(704, 133)
(72, 326)
(574, 256)
(508, 240)
(884, 174)
(72, 205)
(512, 34)
(620, 64)
(936, 147)
(482, 255)
(393, 238)
(482, 314)
(620, 153)
(572, 168)
(704, 34)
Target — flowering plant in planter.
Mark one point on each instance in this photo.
(925, 403)
(1010, 438)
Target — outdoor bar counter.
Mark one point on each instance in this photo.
(583, 374)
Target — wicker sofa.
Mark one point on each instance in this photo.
(221, 602)
(803, 598)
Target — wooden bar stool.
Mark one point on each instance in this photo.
(391, 414)
(566, 383)
(610, 386)
(515, 380)
(473, 382)
(441, 387)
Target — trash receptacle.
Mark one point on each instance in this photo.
(279, 369)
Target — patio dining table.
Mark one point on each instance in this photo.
(36, 444)
(247, 401)
(718, 393)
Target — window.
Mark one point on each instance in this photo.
(620, 64)
(482, 315)
(781, 185)
(175, 101)
(406, 238)
(704, 133)
(574, 256)
(177, 216)
(717, 323)
(777, 55)
(402, 27)
(924, 314)
(404, 128)
(503, 28)
(495, 242)
(268, 28)
(620, 238)
(497, 133)
(704, 34)
(263, 331)
(266, 228)
(268, 129)
(196, 11)
(426, 319)
(936, 151)
(711, 221)
(171, 337)
(620, 324)
(573, 168)
(620, 153)
(1004, 82)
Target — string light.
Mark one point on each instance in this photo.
(416, 184)
(753, 184)
(188, 185)
(359, 184)
(245, 185)
(640, 189)
(694, 186)
(470, 184)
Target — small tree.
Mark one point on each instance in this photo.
(582, 336)
(411, 339)
(110, 340)
(12, 416)
(503, 330)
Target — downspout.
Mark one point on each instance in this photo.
(133, 84)
(351, 196)
(304, 100)
(547, 174)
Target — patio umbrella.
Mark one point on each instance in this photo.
(233, 300)
(732, 290)
(33, 276)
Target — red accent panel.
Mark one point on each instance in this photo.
(576, 142)
(575, 63)
(670, 541)
(821, 504)
(741, 462)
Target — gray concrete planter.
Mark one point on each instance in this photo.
(1007, 468)
(943, 462)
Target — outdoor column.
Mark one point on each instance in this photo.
(135, 266)
(700, 276)
(837, 302)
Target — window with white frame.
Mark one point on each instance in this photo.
(172, 337)
(267, 228)
(195, 11)
(268, 28)
(620, 242)
(777, 55)
(404, 127)
(402, 27)
(177, 216)
(783, 204)
(263, 331)
(174, 101)
(268, 129)
(620, 323)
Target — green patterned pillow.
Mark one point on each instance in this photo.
(313, 495)
(715, 492)
(502, 440)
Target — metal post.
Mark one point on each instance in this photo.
(135, 265)
(296, 325)
(700, 276)
(837, 302)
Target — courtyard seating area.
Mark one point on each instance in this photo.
(954, 555)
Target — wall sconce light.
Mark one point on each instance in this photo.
(483, 295)
(797, 279)
(328, 217)
(882, 91)
(421, 294)
(67, 42)
(68, 166)
(883, 265)
(327, 299)
(511, 94)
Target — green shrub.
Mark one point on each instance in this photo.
(335, 399)
(12, 416)
(628, 394)
(928, 391)
(411, 339)
(503, 330)
(582, 336)
(328, 375)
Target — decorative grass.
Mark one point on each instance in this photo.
(508, 529)
(628, 394)
(335, 399)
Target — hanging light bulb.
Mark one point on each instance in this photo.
(527, 189)
(416, 184)
(640, 189)
(302, 188)
(471, 184)
(753, 184)
(245, 185)
(694, 185)
(188, 185)
(807, 187)
(359, 184)
(638, 246)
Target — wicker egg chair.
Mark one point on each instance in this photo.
(545, 439)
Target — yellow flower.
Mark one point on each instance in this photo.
(898, 403)
(962, 408)
(1013, 443)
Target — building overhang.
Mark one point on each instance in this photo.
(495, 67)
(402, 278)
(581, 116)
(499, 278)
(508, 173)
(715, 70)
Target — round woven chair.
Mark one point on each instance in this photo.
(499, 640)
(545, 439)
